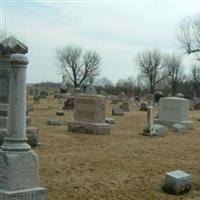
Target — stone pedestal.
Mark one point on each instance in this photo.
(19, 173)
(89, 115)
(19, 178)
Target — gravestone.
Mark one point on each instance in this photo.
(54, 122)
(125, 106)
(114, 100)
(19, 173)
(157, 96)
(90, 89)
(149, 98)
(63, 87)
(69, 104)
(89, 115)
(7, 48)
(44, 94)
(177, 182)
(36, 96)
(117, 111)
(174, 110)
(143, 106)
(122, 96)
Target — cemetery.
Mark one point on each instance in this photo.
(89, 137)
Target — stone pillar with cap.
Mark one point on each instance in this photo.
(19, 177)
(8, 47)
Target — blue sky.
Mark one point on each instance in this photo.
(117, 30)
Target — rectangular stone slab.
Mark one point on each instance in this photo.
(89, 128)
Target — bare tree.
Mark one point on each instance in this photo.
(189, 34)
(195, 78)
(151, 68)
(175, 72)
(77, 66)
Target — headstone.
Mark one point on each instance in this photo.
(173, 110)
(60, 113)
(157, 97)
(122, 96)
(89, 115)
(63, 87)
(117, 111)
(109, 120)
(69, 103)
(36, 96)
(114, 100)
(18, 163)
(159, 129)
(125, 106)
(90, 90)
(149, 98)
(143, 106)
(179, 128)
(177, 182)
(44, 94)
(103, 93)
(180, 95)
(54, 122)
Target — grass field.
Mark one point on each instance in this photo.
(122, 166)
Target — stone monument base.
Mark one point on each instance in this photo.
(19, 176)
(169, 124)
(89, 128)
(27, 194)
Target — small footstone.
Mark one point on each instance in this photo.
(109, 120)
(177, 182)
(179, 128)
(54, 122)
(159, 129)
(60, 113)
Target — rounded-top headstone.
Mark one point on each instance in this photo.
(174, 108)
(19, 59)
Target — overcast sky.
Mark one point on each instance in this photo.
(117, 30)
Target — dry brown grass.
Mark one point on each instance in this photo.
(122, 166)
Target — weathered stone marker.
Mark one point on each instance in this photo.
(89, 115)
(19, 177)
(174, 110)
(177, 182)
